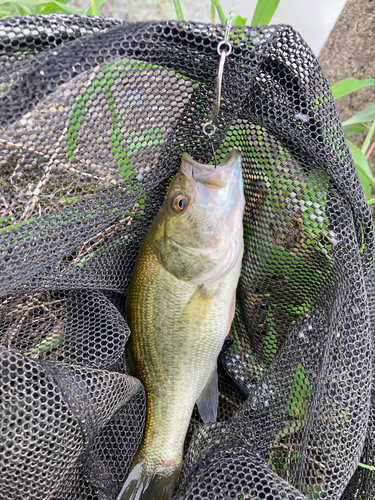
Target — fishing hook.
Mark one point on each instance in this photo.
(224, 48)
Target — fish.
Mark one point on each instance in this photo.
(179, 306)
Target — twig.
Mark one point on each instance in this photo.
(20, 316)
(105, 179)
(242, 347)
(320, 464)
(232, 403)
(12, 332)
(18, 166)
(44, 306)
(46, 154)
(94, 241)
(33, 149)
(26, 309)
(30, 207)
(6, 206)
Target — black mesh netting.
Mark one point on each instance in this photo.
(95, 116)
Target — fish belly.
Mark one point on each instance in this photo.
(178, 329)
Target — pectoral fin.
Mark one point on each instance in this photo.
(197, 309)
(209, 398)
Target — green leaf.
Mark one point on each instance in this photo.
(361, 163)
(50, 4)
(264, 12)
(354, 129)
(300, 392)
(270, 339)
(365, 185)
(239, 21)
(367, 115)
(52, 9)
(317, 492)
(51, 342)
(350, 85)
(366, 143)
(298, 402)
(365, 466)
(94, 10)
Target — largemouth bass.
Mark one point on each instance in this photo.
(179, 306)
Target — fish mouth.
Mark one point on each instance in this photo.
(189, 250)
(210, 175)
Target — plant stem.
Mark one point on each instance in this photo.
(219, 8)
(371, 202)
(370, 151)
(213, 13)
(95, 8)
(179, 13)
(367, 141)
(365, 466)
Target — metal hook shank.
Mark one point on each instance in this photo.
(219, 78)
(209, 127)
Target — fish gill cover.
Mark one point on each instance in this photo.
(95, 115)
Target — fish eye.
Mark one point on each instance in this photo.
(179, 203)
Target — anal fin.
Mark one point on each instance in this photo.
(209, 398)
(129, 362)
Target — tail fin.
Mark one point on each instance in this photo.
(143, 484)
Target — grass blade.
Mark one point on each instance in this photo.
(220, 11)
(90, 11)
(367, 141)
(178, 8)
(51, 9)
(367, 115)
(361, 164)
(264, 12)
(213, 13)
(354, 129)
(365, 185)
(95, 6)
(350, 85)
(51, 4)
(365, 466)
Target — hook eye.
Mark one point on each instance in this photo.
(222, 44)
(209, 125)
